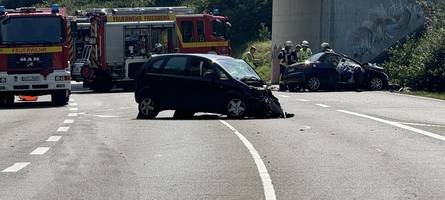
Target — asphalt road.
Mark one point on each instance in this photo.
(339, 145)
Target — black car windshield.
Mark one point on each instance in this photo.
(316, 57)
(238, 69)
(34, 30)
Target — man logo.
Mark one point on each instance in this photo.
(29, 59)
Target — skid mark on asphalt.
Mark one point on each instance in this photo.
(269, 191)
(396, 124)
(16, 167)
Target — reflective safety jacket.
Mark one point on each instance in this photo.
(304, 54)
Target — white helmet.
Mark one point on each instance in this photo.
(305, 43)
(289, 44)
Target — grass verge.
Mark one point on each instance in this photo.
(435, 95)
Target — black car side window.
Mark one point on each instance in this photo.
(175, 65)
(154, 66)
(198, 67)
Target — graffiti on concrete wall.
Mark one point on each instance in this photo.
(384, 25)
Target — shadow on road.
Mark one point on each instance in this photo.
(30, 105)
(206, 117)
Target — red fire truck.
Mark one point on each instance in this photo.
(123, 39)
(34, 54)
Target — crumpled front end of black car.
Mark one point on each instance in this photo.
(263, 104)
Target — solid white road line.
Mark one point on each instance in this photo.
(63, 129)
(323, 105)
(425, 125)
(54, 138)
(68, 121)
(73, 104)
(396, 124)
(269, 191)
(303, 100)
(16, 167)
(72, 114)
(40, 151)
(74, 109)
(284, 96)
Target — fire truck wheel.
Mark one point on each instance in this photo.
(60, 98)
(6, 100)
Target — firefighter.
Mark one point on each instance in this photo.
(326, 48)
(305, 52)
(250, 57)
(285, 57)
(296, 53)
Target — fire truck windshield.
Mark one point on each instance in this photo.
(31, 30)
(219, 29)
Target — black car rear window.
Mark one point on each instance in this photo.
(154, 66)
(175, 65)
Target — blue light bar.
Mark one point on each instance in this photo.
(216, 12)
(55, 8)
(2, 10)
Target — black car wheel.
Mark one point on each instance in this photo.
(147, 108)
(377, 83)
(313, 83)
(236, 108)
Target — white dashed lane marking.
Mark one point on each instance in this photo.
(323, 105)
(303, 100)
(74, 109)
(63, 129)
(284, 96)
(72, 100)
(72, 115)
(73, 104)
(54, 138)
(68, 121)
(40, 151)
(396, 124)
(16, 167)
(269, 191)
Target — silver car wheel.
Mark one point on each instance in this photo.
(376, 84)
(236, 108)
(313, 83)
(147, 106)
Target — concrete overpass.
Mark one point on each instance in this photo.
(359, 28)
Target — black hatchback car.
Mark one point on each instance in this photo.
(191, 83)
(330, 70)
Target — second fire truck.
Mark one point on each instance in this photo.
(123, 39)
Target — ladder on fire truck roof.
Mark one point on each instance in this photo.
(182, 10)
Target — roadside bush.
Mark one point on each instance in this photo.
(419, 63)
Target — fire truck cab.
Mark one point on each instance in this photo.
(34, 51)
(123, 39)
